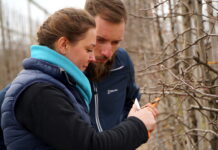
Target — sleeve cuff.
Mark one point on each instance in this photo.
(142, 128)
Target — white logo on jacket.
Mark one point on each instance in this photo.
(111, 91)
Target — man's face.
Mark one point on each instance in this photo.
(109, 36)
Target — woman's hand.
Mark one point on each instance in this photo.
(147, 115)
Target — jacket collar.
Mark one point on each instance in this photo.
(59, 61)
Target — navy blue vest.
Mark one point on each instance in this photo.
(17, 137)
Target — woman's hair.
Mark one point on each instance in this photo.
(68, 22)
(113, 11)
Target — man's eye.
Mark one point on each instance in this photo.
(89, 50)
(115, 42)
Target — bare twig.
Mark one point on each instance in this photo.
(155, 6)
(209, 4)
(190, 86)
(197, 59)
(176, 53)
(203, 108)
(201, 130)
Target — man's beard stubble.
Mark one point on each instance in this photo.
(97, 71)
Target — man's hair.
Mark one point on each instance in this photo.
(68, 22)
(110, 10)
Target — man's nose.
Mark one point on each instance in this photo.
(92, 57)
(107, 50)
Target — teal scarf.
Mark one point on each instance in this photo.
(51, 56)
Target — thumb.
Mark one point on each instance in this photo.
(133, 110)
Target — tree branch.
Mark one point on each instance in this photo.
(203, 108)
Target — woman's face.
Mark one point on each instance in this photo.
(82, 53)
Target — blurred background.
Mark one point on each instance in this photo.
(19, 22)
(174, 47)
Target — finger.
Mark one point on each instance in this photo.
(153, 110)
(147, 105)
(133, 110)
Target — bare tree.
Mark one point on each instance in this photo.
(15, 39)
(178, 42)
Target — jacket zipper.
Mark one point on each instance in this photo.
(97, 120)
(115, 69)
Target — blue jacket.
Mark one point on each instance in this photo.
(114, 95)
(15, 135)
(2, 96)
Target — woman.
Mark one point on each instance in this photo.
(47, 105)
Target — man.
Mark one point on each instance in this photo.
(112, 75)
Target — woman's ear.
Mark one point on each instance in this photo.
(61, 45)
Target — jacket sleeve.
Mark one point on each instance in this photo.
(2, 93)
(2, 96)
(47, 114)
(132, 88)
